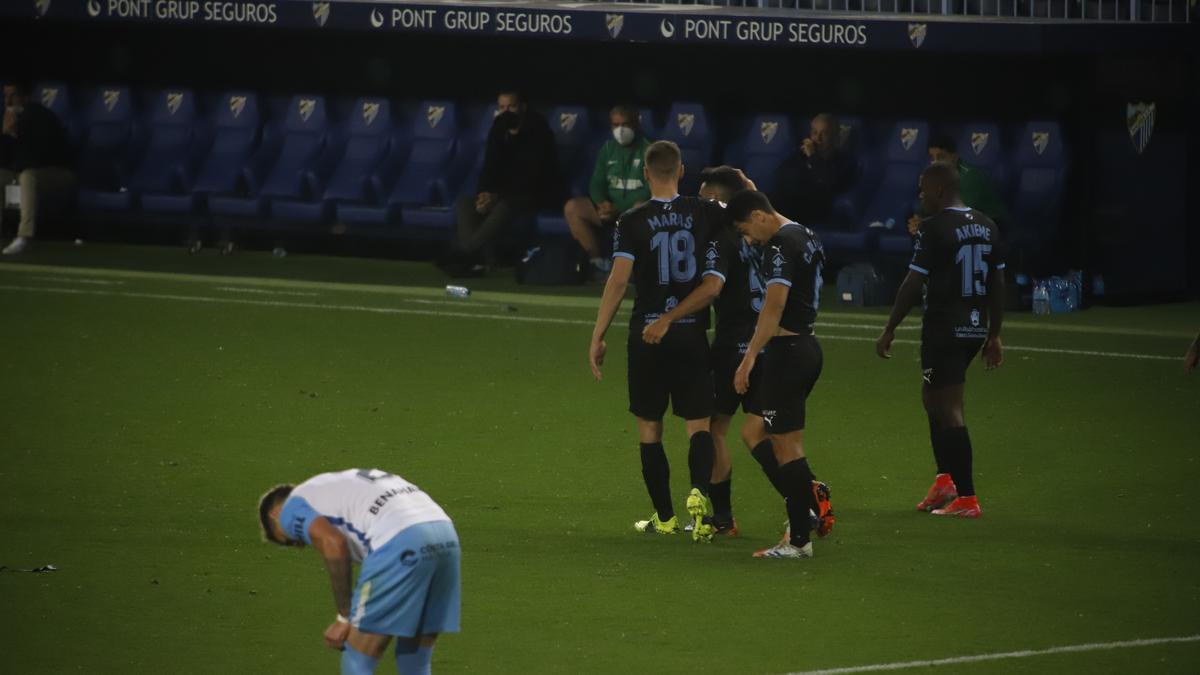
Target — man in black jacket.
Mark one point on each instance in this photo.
(520, 175)
(808, 182)
(34, 154)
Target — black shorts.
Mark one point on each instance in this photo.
(676, 369)
(945, 358)
(787, 371)
(727, 355)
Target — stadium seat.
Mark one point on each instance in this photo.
(283, 168)
(894, 200)
(56, 97)
(688, 126)
(415, 180)
(768, 140)
(168, 164)
(343, 173)
(1039, 167)
(649, 124)
(105, 161)
(578, 143)
(980, 145)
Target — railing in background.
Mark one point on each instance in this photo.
(1139, 11)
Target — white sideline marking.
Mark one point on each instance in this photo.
(510, 317)
(1023, 654)
(263, 291)
(81, 280)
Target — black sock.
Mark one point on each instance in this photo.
(701, 455)
(938, 442)
(722, 499)
(958, 449)
(657, 474)
(798, 478)
(764, 454)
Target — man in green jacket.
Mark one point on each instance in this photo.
(975, 186)
(617, 185)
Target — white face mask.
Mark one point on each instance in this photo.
(624, 135)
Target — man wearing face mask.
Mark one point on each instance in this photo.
(34, 153)
(617, 186)
(520, 175)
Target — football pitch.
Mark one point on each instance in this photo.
(147, 399)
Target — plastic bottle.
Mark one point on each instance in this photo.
(279, 252)
(458, 291)
(1041, 298)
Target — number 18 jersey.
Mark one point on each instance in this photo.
(957, 251)
(665, 240)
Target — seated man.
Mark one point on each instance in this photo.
(975, 186)
(35, 154)
(616, 186)
(808, 182)
(520, 175)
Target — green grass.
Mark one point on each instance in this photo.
(138, 426)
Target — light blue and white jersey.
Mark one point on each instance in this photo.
(368, 506)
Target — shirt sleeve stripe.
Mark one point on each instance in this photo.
(714, 273)
(921, 270)
(622, 254)
(785, 282)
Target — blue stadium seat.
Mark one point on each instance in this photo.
(415, 182)
(688, 126)
(1040, 168)
(105, 159)
(980, 145)
(56, 97)
(768, 141)
(649, 123)
(578, 142)
(343, 174)
(168, 164)
(282, 169)
(905, 154)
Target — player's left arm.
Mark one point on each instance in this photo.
(906, 298)
(993, 349)
(334, 550)
(764, 330)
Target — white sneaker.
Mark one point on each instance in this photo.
(19, 244)
(784, 549)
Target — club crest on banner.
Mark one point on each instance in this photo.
(686, 121)
(768, 131)
(908, 136)
(1139, 119)
(320, 13)
(614, 22)
(370, 111)
(979, 141)
(1040, 140)
(916, 34)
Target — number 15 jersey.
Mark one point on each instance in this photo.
(957, 251)
(664, 239)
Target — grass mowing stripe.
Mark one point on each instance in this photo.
(1023, 654)
(510, 317)
(511, 298)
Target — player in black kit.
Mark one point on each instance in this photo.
(789, 366)
(659, 245)
(959, 260)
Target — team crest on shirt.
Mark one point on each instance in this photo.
(975, 318)
(370, 111)
(49, 96)
(1139, 118)
(686, 121)
(174, 100)
(306, 108)
(908, 136)
(916, 34)
(711, 255)
(614, 22)
(434, 115)
(672, 303)
(42, 6)
(566, 121)
(236, 105)
(111, 98)
(1040, 140)
(321, 13)
(768, 131)
(979, 141)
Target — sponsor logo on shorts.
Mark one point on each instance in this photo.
(769, 417)
(927, 375)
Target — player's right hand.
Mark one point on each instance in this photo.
(741, 378)
(914, 224)
(993, 354)
(596, 357)
(654, 332)
(883, 346)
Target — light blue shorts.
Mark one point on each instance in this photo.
(411, 585)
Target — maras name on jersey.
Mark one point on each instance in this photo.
(670, 219)
(382, 499)
(973, 231)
